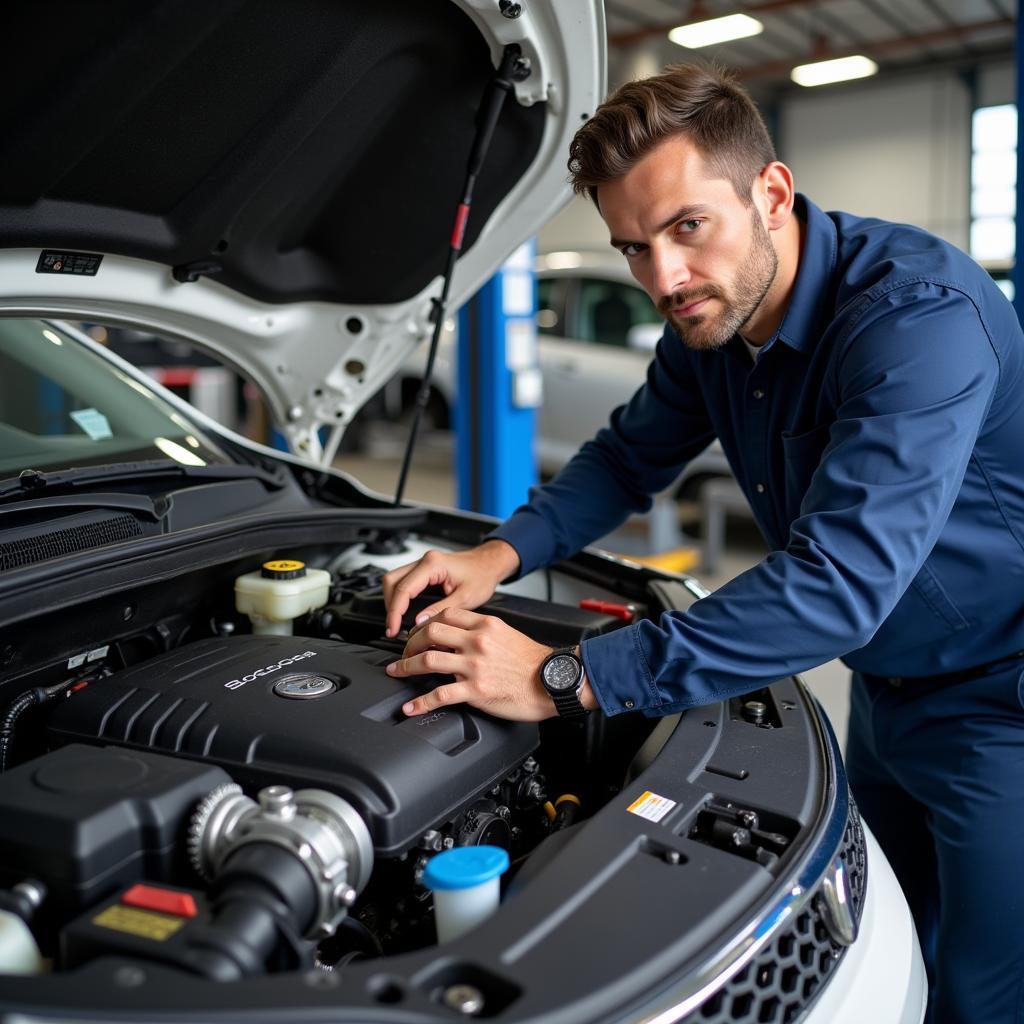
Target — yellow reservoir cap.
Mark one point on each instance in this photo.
(283, 569)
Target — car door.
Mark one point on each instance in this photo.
(588, 365)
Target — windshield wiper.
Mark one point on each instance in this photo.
(34, 483)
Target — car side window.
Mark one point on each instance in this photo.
(606, 310)
(551, 305)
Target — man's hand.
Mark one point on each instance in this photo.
(468, 578)
(496, 668)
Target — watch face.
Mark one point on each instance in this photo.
(562, 672)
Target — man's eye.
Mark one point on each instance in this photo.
(687, 227)
(632, 249)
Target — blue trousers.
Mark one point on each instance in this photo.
(938, 774)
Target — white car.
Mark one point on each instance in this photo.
(211, 805)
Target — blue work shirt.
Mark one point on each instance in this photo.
(879, 438)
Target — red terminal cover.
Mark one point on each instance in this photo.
(626, 612)
(166, 901)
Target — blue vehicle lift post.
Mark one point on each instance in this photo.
(499, 389)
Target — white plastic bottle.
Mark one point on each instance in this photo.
(465, 882)
(280, 592)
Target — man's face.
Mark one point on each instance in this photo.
(703, 256)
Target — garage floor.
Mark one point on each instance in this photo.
(431, 480)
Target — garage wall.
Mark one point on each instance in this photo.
(898, 150)
(578, 226)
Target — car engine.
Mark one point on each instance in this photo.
(266, 793)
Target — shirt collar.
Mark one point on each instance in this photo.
(801, 326)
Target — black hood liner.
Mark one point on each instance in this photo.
(315, 149)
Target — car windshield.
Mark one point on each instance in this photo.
(63, 406)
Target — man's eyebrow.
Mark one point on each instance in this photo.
(683, 213)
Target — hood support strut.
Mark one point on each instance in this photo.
(513, 68)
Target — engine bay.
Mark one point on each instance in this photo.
(185, 795)
(149, 749)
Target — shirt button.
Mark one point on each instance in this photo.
(629, 705)
(759, 488)
(758, 393)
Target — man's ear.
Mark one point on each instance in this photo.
(775, 193)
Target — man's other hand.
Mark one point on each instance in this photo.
(468, 579)
(496, 668)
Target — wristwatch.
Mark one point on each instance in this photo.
(562, 675)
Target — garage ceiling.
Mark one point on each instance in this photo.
(895, 33)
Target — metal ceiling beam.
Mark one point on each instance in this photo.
(767, 7)
(883, 46)
(624, 39)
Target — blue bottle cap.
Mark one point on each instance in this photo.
(464, 867)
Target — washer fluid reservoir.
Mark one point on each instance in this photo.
(279, 592)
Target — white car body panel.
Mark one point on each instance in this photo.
(881, 978)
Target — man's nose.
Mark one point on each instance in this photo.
(670, 272)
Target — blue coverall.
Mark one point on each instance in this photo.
(879, 438)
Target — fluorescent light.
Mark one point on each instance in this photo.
(715, 30)
(50, 336)
(842, 69)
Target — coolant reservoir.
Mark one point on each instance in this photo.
(281, 591)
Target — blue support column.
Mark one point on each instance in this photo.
(1018, 262)
(499, 390)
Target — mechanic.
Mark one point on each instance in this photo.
(866, 380)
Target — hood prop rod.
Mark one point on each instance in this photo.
(498, 88)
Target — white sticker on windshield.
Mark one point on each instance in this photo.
(93, 422)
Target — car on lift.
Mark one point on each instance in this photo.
(211, 804)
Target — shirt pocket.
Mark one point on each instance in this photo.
(801, 455)
(934, 595)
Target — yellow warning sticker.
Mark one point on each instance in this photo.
(146, 924)
(651, 806)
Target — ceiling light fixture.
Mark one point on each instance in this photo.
(715, 30)
(841, 69)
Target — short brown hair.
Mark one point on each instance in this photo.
(702, 101)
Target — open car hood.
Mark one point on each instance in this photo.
(277, 182)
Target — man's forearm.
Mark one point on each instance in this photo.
(501, 558)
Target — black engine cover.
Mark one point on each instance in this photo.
(220, 701)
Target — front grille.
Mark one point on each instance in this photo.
(55, 543)
(779, 985)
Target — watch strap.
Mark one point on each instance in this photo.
(568, 705)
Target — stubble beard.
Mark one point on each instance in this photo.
(704, 332)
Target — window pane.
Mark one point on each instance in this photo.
(995, 128)
(607, 310)
(994, 170)
(551, 305)
(992, 238)
(994, 202)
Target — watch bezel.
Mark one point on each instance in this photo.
(567, 700)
